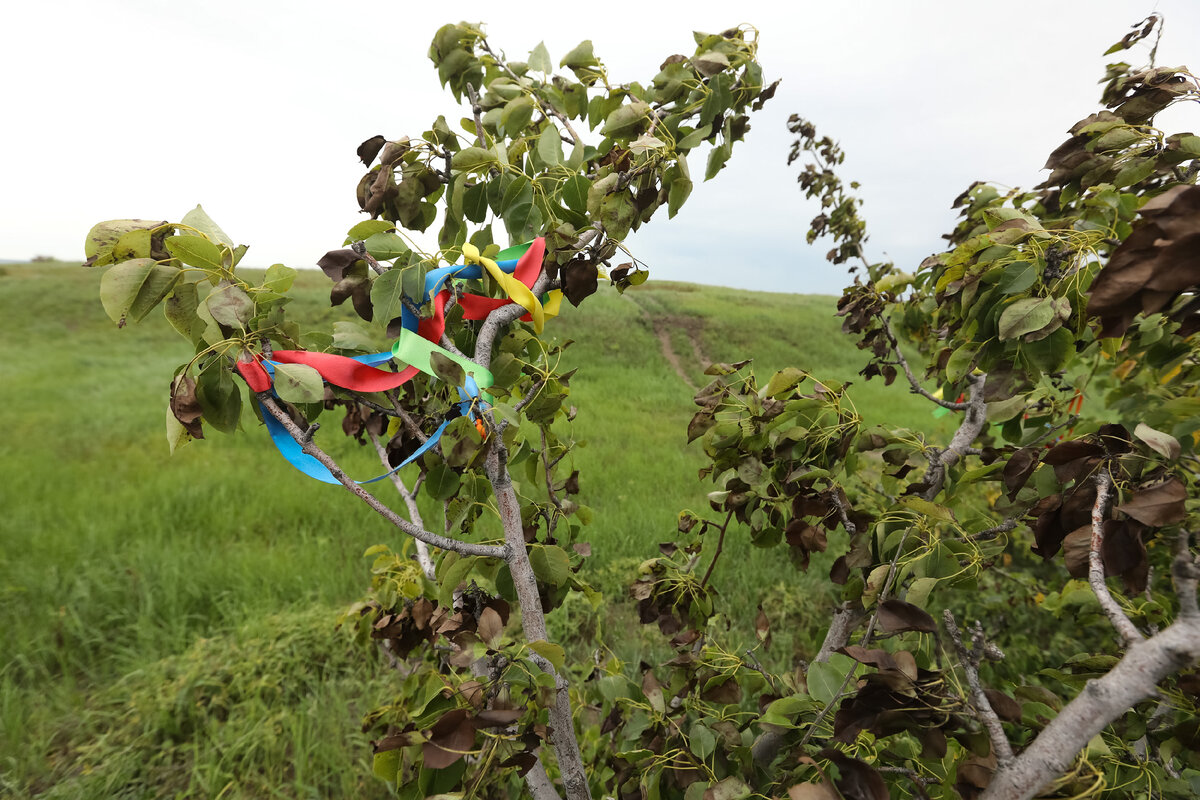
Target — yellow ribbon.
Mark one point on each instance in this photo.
(518, 292)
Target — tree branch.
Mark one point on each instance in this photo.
(414, 513)
(968, 431)
(970, 658)
(445, 543)
(498, 319)
(533, 620)
(1132, 680)
(539, 783)
(914, 384)
(1124, 626)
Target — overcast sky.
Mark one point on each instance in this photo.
(254, 108)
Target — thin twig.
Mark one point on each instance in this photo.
(994, 531)
(720, 546)
(552, 519)
(1124, 626)
(310, 448)
(410, 501)
(549, 112)
(970, 657)
(915, 385)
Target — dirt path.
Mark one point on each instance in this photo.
(662, 325)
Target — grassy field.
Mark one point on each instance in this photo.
(167, 623)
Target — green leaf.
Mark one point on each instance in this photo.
(368, 228)
(677, 195)
(135, 244)
(516, 115)
(103, 237)
(219, 398)
(549, 146)
(447, 369)
(1018, 277)
(1051, 353)
(180, 310)
(575, 193)
(279, 278)
(960, 361)
(824, 681)
(177, 435)
(716, 160)
(928, 509)
(351, 335)
(539, 59)
(473, 159)
(580, 56)
(626, 120)
(387, 295)
(695, 138)
(298, 383)
(386, 246)
(1026, 315)
(196, 252)
(918, 592)
(475, 205)
(550, 564)
(701, 739)
(230, 305)
(130, 290)
(1134, 171)
(441, 482)
(549, 651)
(386, 765)
(198, 219)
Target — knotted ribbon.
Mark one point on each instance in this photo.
(415, 347)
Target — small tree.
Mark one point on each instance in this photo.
(1060, 330)
(478, 396)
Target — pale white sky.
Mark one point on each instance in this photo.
(254, 108)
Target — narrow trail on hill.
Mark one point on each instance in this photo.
(662, 324)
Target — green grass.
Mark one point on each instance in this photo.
(136, 587)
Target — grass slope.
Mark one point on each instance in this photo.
(166, 623)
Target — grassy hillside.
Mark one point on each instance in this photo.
(166, 623)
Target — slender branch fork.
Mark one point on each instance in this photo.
(970, 657)
(1132, 680)
(1128, 632)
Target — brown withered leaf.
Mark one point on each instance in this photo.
(859, 780)
(880, 659)
(497, 717)
(185, 407)
(1157, 505)
(335, 263)
(1005, 707)
(896, 616)
(1077, 550)
(369, 149)
(728, 692)
(450, 738)
(1156, 262)
(579, 279)
(523, 761)
(762, 627)
(1019, 467)
(489, 626)
(974, 775)
(1124, 553)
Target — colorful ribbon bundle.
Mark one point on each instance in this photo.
(515, 272)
